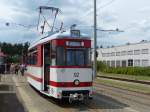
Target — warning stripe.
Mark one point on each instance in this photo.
(61, 84)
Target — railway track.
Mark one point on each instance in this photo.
(124, 79)
(136, 101)
(122, 93)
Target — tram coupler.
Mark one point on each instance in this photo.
(76, 97)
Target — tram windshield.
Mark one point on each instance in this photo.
(71, 57)
(78, 57)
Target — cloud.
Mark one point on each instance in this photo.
(133, 19)
(17, 12)
(135, 32)
(108, 16)
(144, 10)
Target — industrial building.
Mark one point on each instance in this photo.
(129, 55)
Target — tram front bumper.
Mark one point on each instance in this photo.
(76, 97)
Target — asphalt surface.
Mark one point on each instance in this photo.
(135, 102)
(105, 99)
(9, 101)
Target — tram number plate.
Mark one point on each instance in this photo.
(76, 74)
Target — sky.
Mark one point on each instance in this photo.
(131, 16)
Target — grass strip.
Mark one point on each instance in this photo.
(123, 85)
(132, 77)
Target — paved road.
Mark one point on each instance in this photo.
(106, 99)
(136, 102)
(9, 102)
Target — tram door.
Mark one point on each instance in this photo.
(46, 65)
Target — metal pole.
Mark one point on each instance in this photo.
(95, 40)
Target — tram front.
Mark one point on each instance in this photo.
(71, 70)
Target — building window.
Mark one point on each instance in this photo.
(144, 63)
(136, 52)
(144, 51)
(113, 54)
(107, 54)
(130, 62)
(117, 53)
(124, 63)
(136, 63)
(123, 53)
(112, 63)
(130, 52)
(103, 54)
(117, 63)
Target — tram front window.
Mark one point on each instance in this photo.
(78, 57)
(70, 57)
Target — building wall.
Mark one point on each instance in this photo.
(139, 53)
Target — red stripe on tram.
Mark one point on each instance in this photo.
(69, 84)
(60, 84)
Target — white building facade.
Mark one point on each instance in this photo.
(130, 55)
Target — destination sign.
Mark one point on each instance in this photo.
(75, 33)
(70, 43)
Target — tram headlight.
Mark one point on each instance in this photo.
(76, 82)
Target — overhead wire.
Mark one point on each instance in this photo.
(108, 3)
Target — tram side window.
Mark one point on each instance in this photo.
(32, 58)
(28, 61)
(35, 58)
(88, 57)
(60, 60)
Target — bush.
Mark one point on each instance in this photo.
(101, 67)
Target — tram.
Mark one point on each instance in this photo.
(59, 65)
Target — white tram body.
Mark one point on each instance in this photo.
(59, 65)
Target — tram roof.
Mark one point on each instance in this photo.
(57, 35)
